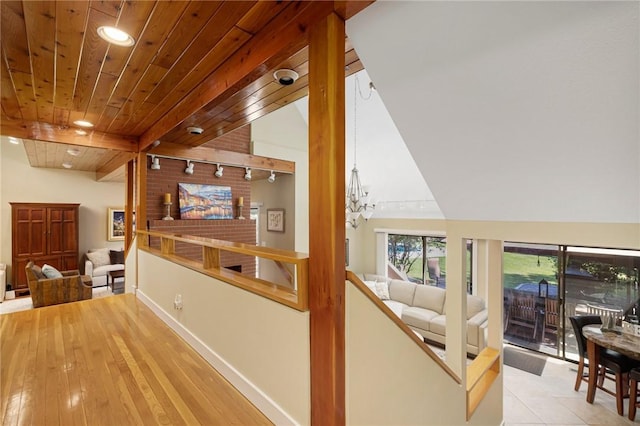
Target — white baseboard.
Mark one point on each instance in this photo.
(265, 404)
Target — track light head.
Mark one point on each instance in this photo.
(272, 177)
(247, 173)
(219, 170)
(189, 169)
(155, 163)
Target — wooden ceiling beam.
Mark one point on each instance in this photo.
(227, 158)
(260, 54)
(61, 134)
(113, 165)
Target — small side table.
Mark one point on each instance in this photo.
(116, 287)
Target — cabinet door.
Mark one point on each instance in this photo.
(63, 228)
(29, 231)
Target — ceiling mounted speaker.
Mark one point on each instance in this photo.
(285, 77)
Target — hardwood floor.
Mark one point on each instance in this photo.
(108, 361)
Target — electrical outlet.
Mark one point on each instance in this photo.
(177, 302)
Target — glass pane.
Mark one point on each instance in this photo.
(531, 304)
(405, 254)
(599, 282)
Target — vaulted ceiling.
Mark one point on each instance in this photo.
(208, 64)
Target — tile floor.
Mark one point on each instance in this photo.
(550, 399)
(528, 399)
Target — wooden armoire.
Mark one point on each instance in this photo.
(43, 233)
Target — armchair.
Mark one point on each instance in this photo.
(71, 287)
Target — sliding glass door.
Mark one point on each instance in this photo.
(544, 285)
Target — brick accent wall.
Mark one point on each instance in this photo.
(171, 173)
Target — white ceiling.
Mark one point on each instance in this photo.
(523, 111)
(384, 163)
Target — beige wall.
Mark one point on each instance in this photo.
(283, 134)
(391, 381)
(22, 183)
(261, 345)
(277, 195)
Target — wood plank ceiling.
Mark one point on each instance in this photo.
(195, 63)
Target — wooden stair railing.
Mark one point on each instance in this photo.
(296, 298)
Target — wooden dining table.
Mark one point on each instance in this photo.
(614, 339)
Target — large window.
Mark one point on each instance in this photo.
(422, 259)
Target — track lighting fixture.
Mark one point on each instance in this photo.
(219, 170)
(272, 177)
(247, 173)
(155, 163)
(189, 169)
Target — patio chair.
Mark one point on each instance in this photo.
(550, 316)
(613, 365)
(522, 312)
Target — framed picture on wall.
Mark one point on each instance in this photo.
(275, 220)
(115, 224)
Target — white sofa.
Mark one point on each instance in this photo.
(98, 264)
(422, 308)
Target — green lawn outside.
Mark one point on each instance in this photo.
(518, 268)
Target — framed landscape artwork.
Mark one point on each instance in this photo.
(202, 201)
(115, 224)
(275, 220)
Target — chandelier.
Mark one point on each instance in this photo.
(358, 200)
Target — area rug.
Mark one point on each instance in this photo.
(524, 360)
(24, 303)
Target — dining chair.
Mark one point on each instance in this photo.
(634, 378)
(611, 363)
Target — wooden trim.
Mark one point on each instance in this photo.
(210, 265)
(327, 219)
(481, 373)
(141, 192)
(129, 206)
(52, 133)
(228, 158)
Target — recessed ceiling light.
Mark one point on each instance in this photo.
(115, 36)
(66, 165)
(73, 151)
(13, 140)
(83, 123)
(81, 132)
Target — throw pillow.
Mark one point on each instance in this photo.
(372, 286)
(382, 289)
(117, 257)
(51, 272)
(99, 258)
(38, 272)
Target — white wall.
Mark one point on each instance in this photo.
(260, 346)
(514, 111)
(283, 134)
(22, 183)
